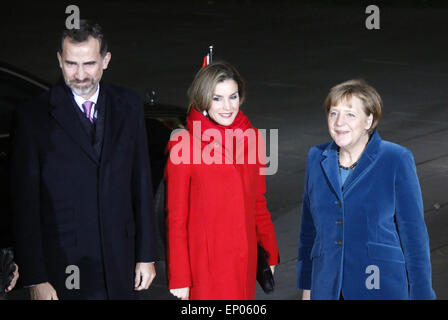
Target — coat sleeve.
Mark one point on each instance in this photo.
(178, 180)
(306, 238)
(25, 196)
(142, 195)
(412, 229)
(5, 208)
(264, 225)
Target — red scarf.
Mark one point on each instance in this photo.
(241, 122)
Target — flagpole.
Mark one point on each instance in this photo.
(205, 62)
(210, 49)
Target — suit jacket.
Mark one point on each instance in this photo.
(369, 240)
(75, 204)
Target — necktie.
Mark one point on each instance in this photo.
(87, 106)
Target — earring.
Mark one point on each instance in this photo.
(204, 113)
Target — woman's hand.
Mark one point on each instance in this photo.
(272, 269)
(181, 293)
(306, 295)
(14, 280)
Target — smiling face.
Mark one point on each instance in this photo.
(82, 65)
(225, 103)
(348, 123)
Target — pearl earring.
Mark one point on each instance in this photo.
(204, 113)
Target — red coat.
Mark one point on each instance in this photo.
(216, 214)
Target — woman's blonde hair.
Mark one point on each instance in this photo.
(204, 83)
(370, 98)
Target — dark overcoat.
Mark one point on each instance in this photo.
(80, 206)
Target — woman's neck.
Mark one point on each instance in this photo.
(349, 156)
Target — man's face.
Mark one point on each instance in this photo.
(82, 65)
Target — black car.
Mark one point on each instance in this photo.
(17, 86)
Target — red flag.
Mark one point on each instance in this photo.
(206, 60)
(208, 57)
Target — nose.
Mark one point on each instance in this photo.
(227, 105)
(339, 120)
(80, 74)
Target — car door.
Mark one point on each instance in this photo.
(15, 88)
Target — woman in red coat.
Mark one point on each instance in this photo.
(215, 194)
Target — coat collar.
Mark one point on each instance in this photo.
(209, 130)
(62, 108)
(329, 164)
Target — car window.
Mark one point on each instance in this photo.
(13, 91)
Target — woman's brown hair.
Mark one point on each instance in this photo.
(370, 98)
(203, 86)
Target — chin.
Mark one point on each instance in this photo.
(227, 123)
(83, 91)
(342, 143)
(224, 122)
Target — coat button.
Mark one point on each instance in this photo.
(339, 243)
(339, 222)
(339, 203)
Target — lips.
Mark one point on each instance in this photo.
(226, 115)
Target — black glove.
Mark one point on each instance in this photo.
(7, 268)
(264, 273)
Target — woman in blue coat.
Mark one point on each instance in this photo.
(363, 234)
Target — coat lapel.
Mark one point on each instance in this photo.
(329, 165)
(63, 111)
(365, 162)
(115, 115)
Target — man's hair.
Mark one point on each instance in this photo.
(203, 86)
(372, 103)
(86, 29)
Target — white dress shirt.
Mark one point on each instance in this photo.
(80, 100)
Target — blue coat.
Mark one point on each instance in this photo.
(369, 239)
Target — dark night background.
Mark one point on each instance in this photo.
(290, 53)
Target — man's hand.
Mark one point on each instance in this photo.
(272, 269)
(144, 274)
(181, 293)
(14, 280)
(43, 291)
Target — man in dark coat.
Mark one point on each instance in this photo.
(9, 272)
(81, 185)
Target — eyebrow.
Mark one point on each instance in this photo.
(218, 95)
(73, 62)
(349, 106)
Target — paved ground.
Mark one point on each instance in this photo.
(290, 56)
